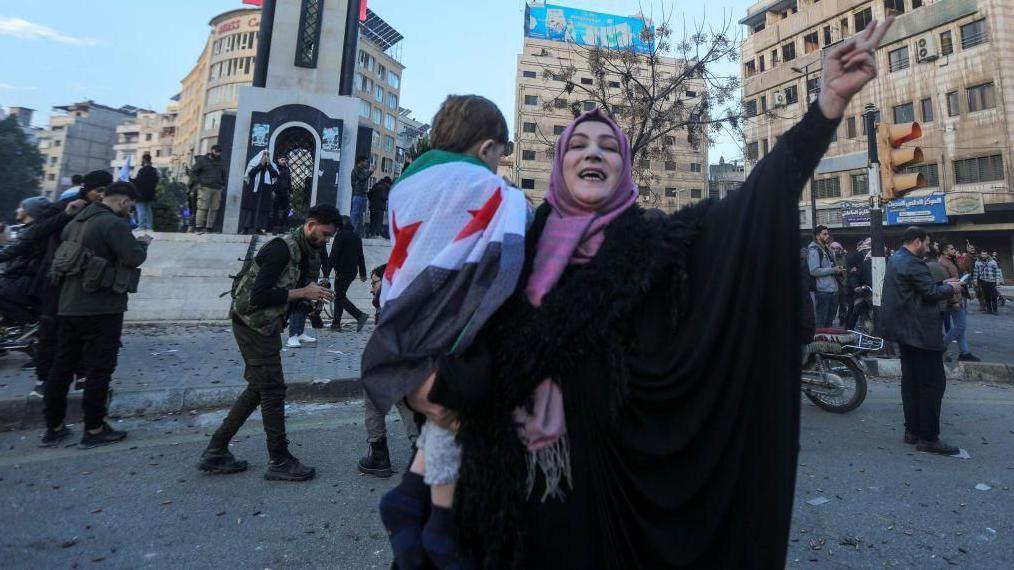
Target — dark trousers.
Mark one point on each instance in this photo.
(922, 390)
(378, 227)
(825, 306)
(989, 295)
(265, 388)
(280, 211)
(341, 300)
(94, 343)
(44, 350)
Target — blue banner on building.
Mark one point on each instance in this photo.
(558, 23)
(855, 214)
(915, 210)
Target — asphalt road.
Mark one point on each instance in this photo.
(142, 504)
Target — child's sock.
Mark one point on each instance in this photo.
(438, 540)
(403, 511)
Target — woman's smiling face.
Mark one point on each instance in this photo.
(592, 164)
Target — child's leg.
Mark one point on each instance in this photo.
(443, 460)
(403, 510)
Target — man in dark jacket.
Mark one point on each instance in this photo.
(912, 317)
(97, 264)
(360, 187)
(378, 207)
(346, 259)
(19, 279)
(207, 178)
(146, 181)
(283, 197)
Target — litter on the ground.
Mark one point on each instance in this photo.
(818, 501)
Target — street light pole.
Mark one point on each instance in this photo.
(879, 264)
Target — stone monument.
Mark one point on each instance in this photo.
(300, 105)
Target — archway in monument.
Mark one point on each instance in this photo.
(300, 145)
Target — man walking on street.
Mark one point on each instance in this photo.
(378, 207)
(910, 316)
(97, 264)
(266, 292)
(956, 321)
(346, 260)
(988, 277)
(820, 263)
(360, 187)
(146, 181)
(207, 177)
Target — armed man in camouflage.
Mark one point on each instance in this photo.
(280, 278)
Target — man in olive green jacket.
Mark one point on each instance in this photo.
(281, 275)
(207, 178)
(95, 279)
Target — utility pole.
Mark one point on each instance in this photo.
(876, 213)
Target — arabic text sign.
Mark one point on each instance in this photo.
(914, 210)
(585, 28)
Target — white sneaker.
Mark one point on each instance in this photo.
(306, 338)
(293, 342)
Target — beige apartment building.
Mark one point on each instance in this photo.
(948, 64)
(148, 133)
(211, 89)
(669, 184)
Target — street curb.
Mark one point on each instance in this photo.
(989, 372)
(27, 412)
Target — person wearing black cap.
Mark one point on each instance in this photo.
(23, 256)
(94, 184)
(207, 178)
(97, 265)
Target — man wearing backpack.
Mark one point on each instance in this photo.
(820, 263)
(97, 265)
(264, 294)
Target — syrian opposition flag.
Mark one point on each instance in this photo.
(458, 250)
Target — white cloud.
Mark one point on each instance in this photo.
(25, 30)
(9, 87)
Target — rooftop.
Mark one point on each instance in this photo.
(756, 14)
(379, 31)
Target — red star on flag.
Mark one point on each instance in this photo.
(481, 217)
(402, 239)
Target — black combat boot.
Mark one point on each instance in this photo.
(220, 460)
(289, 469)
(378, 462)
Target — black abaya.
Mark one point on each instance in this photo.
(255, 207)
(677, 351)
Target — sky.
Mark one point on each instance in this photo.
(129, 52)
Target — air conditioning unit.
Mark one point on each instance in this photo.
(926, 48)
(779, 99)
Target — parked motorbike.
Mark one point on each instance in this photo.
(19, 338)
(834, 376)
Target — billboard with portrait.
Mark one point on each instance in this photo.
(582, 27)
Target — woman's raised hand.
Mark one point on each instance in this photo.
(849, 67)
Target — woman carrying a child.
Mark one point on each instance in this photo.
(608, 417)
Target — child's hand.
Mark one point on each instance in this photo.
(419, 401)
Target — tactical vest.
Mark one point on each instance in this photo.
(268, 320)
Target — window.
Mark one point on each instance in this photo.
(813, 86)
(644, 163)
(764, 147)
(52, 160)
(365, 109)
(829, 217)
(528, 74)
(844, 27)
(904, 113)
(528, 155)
(158, 152)
(860, 184)
(789, 52)
(365, 60)
(953, 104)
(668, 140)
(527, 184)
(378, 94)
(670, 165)
(751, 152)
(827, 35)
(811, 42)
(927, 110)
(691, 94)
(57, 143)
(834, 135)
(614, 84)
(862, 18)
(532, 100)
(764, 103)
(876, 120)
(974, 34)
(714, 193)
(589, 105)
(929, 171)
(392, 101)
(672, 192)
(308, 36)
(378, 115)
(528, 127)
(791, 95)
(946, 43)
(388, 143)
(827, 188)
(981, 97)
(898, 59)
(751, 68)
(147, 137)
(558, 129)
(390, 122)
(586, 81)
(393, 80)
(51, 177)
(695, 167)
(386, 165)
(760, 62)
(894, 6)
(696, 192)
(750, 108)
(382, 72)
(981, 169)
(916, 4)
(365, 83)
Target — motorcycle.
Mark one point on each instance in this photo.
(18, 338)
(834, 375)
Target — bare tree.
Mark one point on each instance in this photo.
(672, 96)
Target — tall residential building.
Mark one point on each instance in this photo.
(24, 117)
(676, 180)
(148, 133)
(725, 178)
(79, 139)
(211, 89)
(948, 64)
(410, 131)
